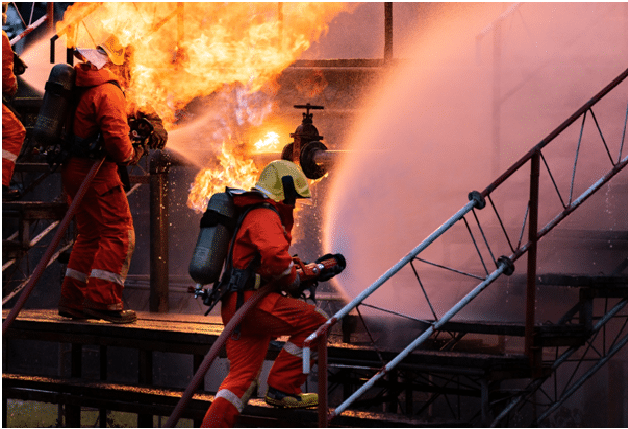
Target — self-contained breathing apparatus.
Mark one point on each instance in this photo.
(214, 249)
(59, 104)
(219, 226)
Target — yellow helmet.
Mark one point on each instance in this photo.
(114, 49)
(283, 181)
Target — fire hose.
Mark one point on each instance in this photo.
(43, 263)
(215, 349)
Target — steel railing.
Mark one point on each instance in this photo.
(504, 264)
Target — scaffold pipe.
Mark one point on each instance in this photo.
(539, 381)
(428, 332)
(29, 29)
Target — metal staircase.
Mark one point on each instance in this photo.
(586, 334)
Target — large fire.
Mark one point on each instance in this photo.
(180, 52)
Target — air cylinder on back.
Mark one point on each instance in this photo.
(55, 106)
(213, 240)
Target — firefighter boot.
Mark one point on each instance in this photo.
(113, 316)
(285, 400)
(72, 313)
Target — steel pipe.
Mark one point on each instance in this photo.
(29, 29)
(159, 234)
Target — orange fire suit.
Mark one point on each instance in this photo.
(102, 252)
(13, 132)
(270, 235)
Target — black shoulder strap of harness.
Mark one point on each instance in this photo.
(91, 146)
(229, 262)
(78, 94)
(235, 280)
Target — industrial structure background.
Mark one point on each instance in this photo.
(553, 355)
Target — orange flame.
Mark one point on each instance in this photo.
(184, 52)
(234, 171)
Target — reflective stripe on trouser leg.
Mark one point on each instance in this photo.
(231, 397)
(286, 375)
(297, 351)
(104, 290)
(221, 414)
(72, 289)
(246, 356)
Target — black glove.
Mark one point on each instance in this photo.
(158, 138)
(139, 153)
(329, 273)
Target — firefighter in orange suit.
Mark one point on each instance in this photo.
(265, 235)
(13, 132)
(100, 259)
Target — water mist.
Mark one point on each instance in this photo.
(424, 139)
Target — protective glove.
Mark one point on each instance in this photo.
(139, 153)
(158, 138)
(341, 264)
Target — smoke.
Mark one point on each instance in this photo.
(424, 140)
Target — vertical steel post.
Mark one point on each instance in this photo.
(73, 411)
(71, 43)
(159, 223)
(323, 405)
(102, 412)
(388, 31)
(530, 349)
(50, 11)
(484, 400)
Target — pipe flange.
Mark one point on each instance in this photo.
(480, 203)
(510, 266)
(311, 169)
